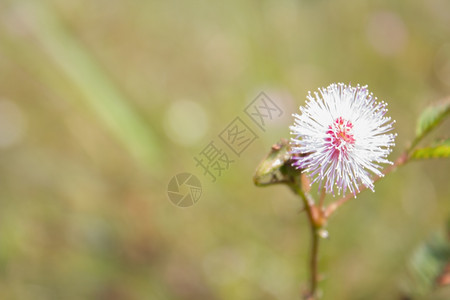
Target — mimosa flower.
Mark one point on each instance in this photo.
(341, 135)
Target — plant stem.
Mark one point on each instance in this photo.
(401, 160)
(318, 215)
(322, 198)
(314, 222)
(313, 262)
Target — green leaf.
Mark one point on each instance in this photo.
(439, 150)
(431, 117)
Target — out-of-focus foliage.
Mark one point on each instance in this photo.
(440, 149)
(103, 102)
(429, 267)
(431, 117)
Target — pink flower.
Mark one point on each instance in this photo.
(341, 135)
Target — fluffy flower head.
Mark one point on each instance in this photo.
(341, 135)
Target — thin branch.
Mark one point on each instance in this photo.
(313, 219)
(322, 198)
(403, 158)
(314, 259)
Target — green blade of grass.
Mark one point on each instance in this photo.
(68, 56)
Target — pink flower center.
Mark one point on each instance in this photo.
(340, 134)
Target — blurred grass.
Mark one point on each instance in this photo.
(58, 49)
(84, 211)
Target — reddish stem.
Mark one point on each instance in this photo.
(335, 205)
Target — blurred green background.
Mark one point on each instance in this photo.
(102, 102)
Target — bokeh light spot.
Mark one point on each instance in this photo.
(387, 33)
(186, 122)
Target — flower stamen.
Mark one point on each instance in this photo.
(340, 136)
